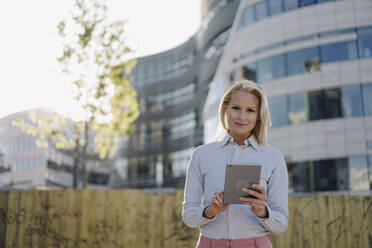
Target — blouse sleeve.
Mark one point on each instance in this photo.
(192, 208)
(277, 194)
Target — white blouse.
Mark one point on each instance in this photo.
(206, 175)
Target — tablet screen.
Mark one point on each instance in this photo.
(239, 176)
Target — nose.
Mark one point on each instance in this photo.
(242, 115)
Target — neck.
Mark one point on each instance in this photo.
(240, 139)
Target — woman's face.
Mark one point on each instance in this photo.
(242, 114)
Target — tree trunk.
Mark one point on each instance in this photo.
(84, 155)
(75, 173)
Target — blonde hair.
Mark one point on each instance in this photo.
(263, 121)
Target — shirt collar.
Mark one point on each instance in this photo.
(250, 141)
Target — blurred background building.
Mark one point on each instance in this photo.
(313, 57)
(172, 87)
(23, 164)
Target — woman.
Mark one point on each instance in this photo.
(244, 116)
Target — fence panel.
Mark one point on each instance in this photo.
(68, 218)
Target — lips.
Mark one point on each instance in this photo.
(240, 124)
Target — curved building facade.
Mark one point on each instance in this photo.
(172, 88)
(314, 60)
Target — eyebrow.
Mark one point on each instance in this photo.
(239, 105)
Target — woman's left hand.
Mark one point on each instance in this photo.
(258, 206)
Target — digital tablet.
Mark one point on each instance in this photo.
(239, 176)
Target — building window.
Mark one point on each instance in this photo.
(369, 158)
(338, 51)
(325, 104)
(290, 4)
(275, 7)
(367, 99)
(365, 42)
(179, 160)
(306, 2)
(297, 108)
(305, 60)
(302, 60)
(316, 105)
(250, 71)
(351, 101)
(98, 178)
(299, 177)
(247, 17)
(332, 103)
(358, 169)
(260, 10)
(183, 126)
(278, 111)
(270, 68)
(331, 174)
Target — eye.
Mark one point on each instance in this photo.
(235, 107)
(251, 110)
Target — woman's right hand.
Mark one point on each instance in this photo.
(216, 206)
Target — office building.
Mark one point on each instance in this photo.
(25, 164)
(314, 60)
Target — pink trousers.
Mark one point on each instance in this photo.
(257, 242)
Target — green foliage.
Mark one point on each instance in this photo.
(50, 128)
(94, 56)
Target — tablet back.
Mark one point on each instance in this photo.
(240, 176)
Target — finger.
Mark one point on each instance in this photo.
(259, 189)
(256, 194)
(220, 199)
(252, 201)
(216, 202)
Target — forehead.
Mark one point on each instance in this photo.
(244, 98)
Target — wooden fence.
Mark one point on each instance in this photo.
(67, 218)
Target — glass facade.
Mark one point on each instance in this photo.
(259, 11)
(351, 173)
(278, 110)
(351, 101)
(307, 59)
(367, 99)
(247, 17)
(270, 68)
(338, 51)
(369, 159)
(297, 108)
(365, 42)
(303, 3)
(358, 170)
(321, 104)
(249, 72)
(302, 60)
(290, 4)
(352, 31)
(275, 7)
(331, 174)
(299, 177)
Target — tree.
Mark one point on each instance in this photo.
(94, 58)
(52, 129)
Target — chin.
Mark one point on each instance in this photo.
(242, 133)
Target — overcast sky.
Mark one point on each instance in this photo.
(29, 74)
